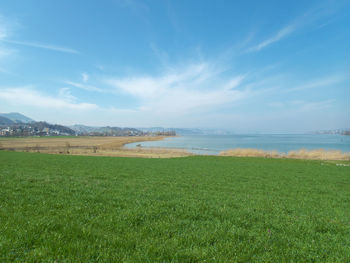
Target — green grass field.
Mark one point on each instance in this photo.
(56, 208)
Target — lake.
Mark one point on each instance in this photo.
(213, 144)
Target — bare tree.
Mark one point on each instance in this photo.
(94, 149)
(67, 147)
(37, 148)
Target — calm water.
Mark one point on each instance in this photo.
(213, 144)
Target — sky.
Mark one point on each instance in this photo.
(243, 66)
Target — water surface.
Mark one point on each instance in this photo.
(213, 144)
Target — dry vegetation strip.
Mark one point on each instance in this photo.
(319, 154)
(98, 146)
(114, 146)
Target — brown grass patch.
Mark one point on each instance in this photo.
(319, 154)
(95, 146)
(250, 152)
(113, 146)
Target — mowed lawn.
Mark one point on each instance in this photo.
(58, 208)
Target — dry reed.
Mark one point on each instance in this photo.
(95, 146)
(250, 152)
(319, 154)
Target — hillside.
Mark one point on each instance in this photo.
(16, 124)
(5, 121)
(16, 117)
(105, 131)
(188, 131)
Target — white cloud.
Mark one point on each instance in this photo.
(4, 28)
(307, 19)
(65, 94)
(316, 105)
(284, 32)
(300, 106)
(83, 86)
(43, 46)
(100, 67)
(276, 104)
(5, 52)
(26, 96)
(4, 33)
(181, 90)
(134, 5)
(234, 82)
(85, 77)
(321, 82)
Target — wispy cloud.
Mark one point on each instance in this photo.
(161, 55)
(7, 28)
(276, 104)
(85, 77)
(27, 96)
(319, 83)
(134, 4)
(310, 17)
(4, 32)
(299, 106)
(282, 33)
(305, 106)
(65, 93)
(83, 86)
(184, 89)
(5, 52)
(43, 46)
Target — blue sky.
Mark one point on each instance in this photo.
(246, 66)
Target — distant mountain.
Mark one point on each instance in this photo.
(82, 128)
(5, 121)
(336, 131)
(180, 131)
(187, 131)
(15, 120)
(105, 131)
(16, 117)
(59, 129)
(35, 129)
(16, 124)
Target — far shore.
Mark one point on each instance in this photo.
(91, 145)
(114, 146)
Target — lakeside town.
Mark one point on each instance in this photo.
(18, 125)
(46, 129)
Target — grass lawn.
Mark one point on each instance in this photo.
(59, 208)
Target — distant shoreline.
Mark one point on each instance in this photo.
(115, 146)
(299, 153)
(90, 145)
